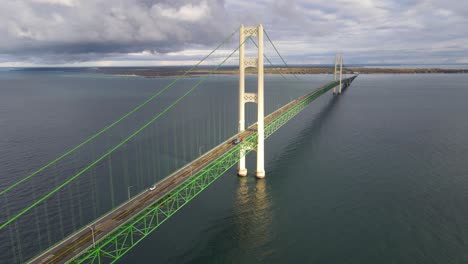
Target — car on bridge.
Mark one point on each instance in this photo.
(237, 141)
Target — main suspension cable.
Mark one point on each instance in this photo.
(264, 55)
(269, 39)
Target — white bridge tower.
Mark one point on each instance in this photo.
(257, 98)
(338, 71)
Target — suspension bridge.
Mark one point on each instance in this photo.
(109, 235)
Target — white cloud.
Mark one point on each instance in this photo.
(56, 2)
(188, 12)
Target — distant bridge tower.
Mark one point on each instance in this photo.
(257, 98)
(338, 71)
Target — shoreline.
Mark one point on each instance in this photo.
(159, 73)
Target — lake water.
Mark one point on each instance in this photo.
(377, 175)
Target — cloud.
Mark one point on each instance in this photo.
(80, 30)
(377, 31)
(56, 2)
(186, 12)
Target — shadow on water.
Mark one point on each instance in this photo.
(296, 146)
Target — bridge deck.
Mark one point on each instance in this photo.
(82, 240)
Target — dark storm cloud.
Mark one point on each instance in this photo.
(46, 28)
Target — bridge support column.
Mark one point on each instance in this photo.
(242, 171)
(260, 172)
(338, 73)
(341, 73)
(257, 98)
(335, 72)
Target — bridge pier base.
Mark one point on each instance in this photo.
(242, 172)
(260, 174)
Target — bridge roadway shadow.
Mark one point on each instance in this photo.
(310, 132)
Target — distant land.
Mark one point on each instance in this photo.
(170, 71)
(154, 72)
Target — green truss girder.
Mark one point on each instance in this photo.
(112, 247)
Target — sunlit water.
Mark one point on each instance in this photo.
(377, 175)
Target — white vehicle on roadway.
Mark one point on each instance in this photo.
(237, 141)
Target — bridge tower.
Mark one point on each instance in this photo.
(257, 98)
(338, 71)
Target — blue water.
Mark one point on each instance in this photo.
(377, 175)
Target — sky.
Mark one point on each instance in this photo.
(181, 32)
